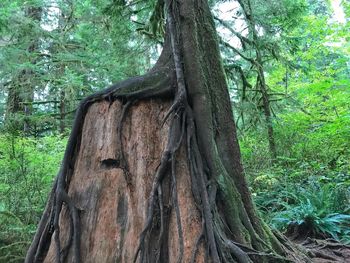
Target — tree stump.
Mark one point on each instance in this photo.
(114, 203)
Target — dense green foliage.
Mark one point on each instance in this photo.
(27, 169)
(310, 181)
(66, 50)
(55, 52)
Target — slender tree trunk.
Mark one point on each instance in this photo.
(261, 82)
(19, 102)
(267, 110)
(13, 100)
(152, 169)
(62, 108)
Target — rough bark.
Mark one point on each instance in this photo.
(114, 206)
(146, 180)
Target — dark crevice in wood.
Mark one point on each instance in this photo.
(110, 163)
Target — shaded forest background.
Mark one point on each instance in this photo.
(287, 64)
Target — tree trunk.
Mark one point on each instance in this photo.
(261, 82)
(62, 108)
(152, 169)
(113, 206)
(21, 88)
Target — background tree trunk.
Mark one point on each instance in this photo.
(62, 109)
(21, 88)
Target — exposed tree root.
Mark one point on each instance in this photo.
(329, 249)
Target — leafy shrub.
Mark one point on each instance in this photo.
(27, 169)
(14, 237)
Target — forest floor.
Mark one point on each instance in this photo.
(326, 251)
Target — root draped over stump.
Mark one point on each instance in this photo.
(186, 200)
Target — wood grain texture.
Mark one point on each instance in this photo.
(114, 211)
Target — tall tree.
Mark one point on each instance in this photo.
(260, 44)
(22, 85)
(62, 52)
(159, 191)
(258, 63)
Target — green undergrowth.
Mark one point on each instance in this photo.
(301, 191)
(27, 169)
(320, 201)
(309, 183)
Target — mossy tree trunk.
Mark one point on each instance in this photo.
(152, 169)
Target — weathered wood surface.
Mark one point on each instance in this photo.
(114, 211)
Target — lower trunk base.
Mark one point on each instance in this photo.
(113, 203)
